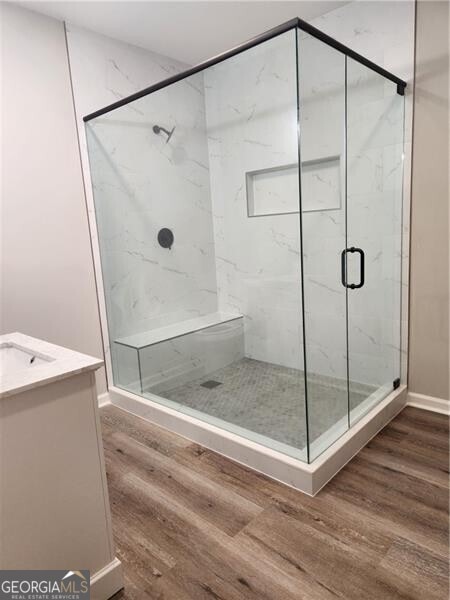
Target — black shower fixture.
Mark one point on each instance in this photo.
(165, 238)
(157, 130)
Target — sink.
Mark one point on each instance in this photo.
(27, 362)
(54, 500)
(14, 358)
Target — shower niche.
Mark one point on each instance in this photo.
(274, 190)
(281, 156)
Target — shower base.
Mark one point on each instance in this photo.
(269, 400)
(277, 464)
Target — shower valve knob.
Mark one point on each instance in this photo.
(165, 238)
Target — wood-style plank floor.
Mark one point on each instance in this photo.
(190, 524)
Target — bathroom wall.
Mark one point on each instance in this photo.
(143, 183)
(47, 279)
(263, 283)
(429, 368)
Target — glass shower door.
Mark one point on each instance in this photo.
(323, 218)
(351, 150)
(371, 267)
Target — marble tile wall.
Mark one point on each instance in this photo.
(386, 37)
(374, 217)
(195, 184)
(322, 134)
(250, 111)
(142, 183)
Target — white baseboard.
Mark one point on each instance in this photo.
(108, 581)
(429, 403)
(104, 399)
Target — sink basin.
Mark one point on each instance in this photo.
(27, 362)
(14, 358)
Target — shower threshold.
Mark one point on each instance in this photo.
(290, 467)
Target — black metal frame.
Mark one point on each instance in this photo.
(292, 24)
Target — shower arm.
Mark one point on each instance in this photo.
(158, 128)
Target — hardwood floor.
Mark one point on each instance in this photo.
(190, 524)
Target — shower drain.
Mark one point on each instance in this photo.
(210, 384)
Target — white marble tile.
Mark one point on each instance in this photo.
(141, 184)
(251, 119)
(252, 258)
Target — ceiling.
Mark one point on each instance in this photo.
(187, 31)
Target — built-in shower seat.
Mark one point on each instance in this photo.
(164, 357)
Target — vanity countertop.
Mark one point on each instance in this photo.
(27, 362)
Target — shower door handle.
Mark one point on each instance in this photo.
(352, 286)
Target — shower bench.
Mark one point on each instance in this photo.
(164, 357)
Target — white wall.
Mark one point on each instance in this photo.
(429, 355)
(48, 287)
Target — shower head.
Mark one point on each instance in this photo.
(157, 130)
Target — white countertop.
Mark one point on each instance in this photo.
(57, 363)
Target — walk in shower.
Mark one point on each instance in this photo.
(249, 219)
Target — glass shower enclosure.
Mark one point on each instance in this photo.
(249, 217)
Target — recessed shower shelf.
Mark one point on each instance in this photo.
(275, 190)
(168, 332)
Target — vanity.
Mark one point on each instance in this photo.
(54, 506)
